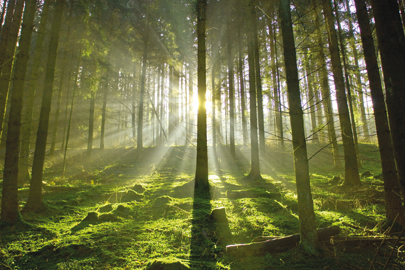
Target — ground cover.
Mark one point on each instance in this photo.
(129, 209)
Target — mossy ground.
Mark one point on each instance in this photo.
(142, 210)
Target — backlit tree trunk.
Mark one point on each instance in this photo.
(351, 169)
(9, 199)
(309, 238)
(201, 174)
(393, 204)
(35, 201)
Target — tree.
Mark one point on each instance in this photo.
(35, 201)
(309, 238)
(9, 199)
(201, 175)
(391, 42)
(351, 169)
(254, 143)
(23, 167)
(393, 204)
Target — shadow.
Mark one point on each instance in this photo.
(203, 240)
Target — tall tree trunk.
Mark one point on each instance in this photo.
(23, 167)
(35, 201)
(259, 93)
(393, 205)
(5, 31)
(69, 124)
(242, 92)
(91, 124)
(308, 235)
(349, 92)
(359, 86)
(351, 169)
(391, 42)
(277, 94)
(201, 174)
(255, 161)
(104, 113)
(6, 66)
(311, 97)
(326, 95)
(213, 115)
(231, 97)
(139, 141)
(9, 199)
(3, 11)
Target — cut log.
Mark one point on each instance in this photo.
(261, 248)
(363, 240)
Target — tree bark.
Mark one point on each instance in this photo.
(277, 244)
(311, 97)
(242, 92)
(254, 143)
(139, 141)
(9, 199)
(326, 95)
(201, 175)
(309, 238)
(391, 42)
(91, 125)
(35, 201)
(260, 115)
(351, 169)
(7, 64)
(231, 97)
(23, 167)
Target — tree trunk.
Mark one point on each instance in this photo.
(259, 93)
(351, 169)
(326, 96)
(91, 125)
(309, 238)
(349, 93)
(213, 115)
(201, 175)
(35, 201)
(311, 97)
(5, 31)
(366, 132)
(6, 65)
(391, 43)
(231, 97)
(3, 10)
(242, 92)
(139, 141)
(71, 113)
(9, 199)
(104, 114)
(254, 152)
(23, 166)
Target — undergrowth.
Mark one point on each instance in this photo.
(127, 209)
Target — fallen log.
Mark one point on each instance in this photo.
(363, 240)
(278, 244)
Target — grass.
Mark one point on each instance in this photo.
(93, 225)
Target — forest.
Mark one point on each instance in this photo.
(202, 134)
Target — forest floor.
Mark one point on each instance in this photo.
(129, 209)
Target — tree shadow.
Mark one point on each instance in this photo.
(205, 236)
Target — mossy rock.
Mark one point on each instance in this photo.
(366, 174)
(162, 201)
(138, 188)
(219, 215)
(106, 208)
(121, 209)
(91, 217)
(109, 218)
(173, 264)
(132, 196)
